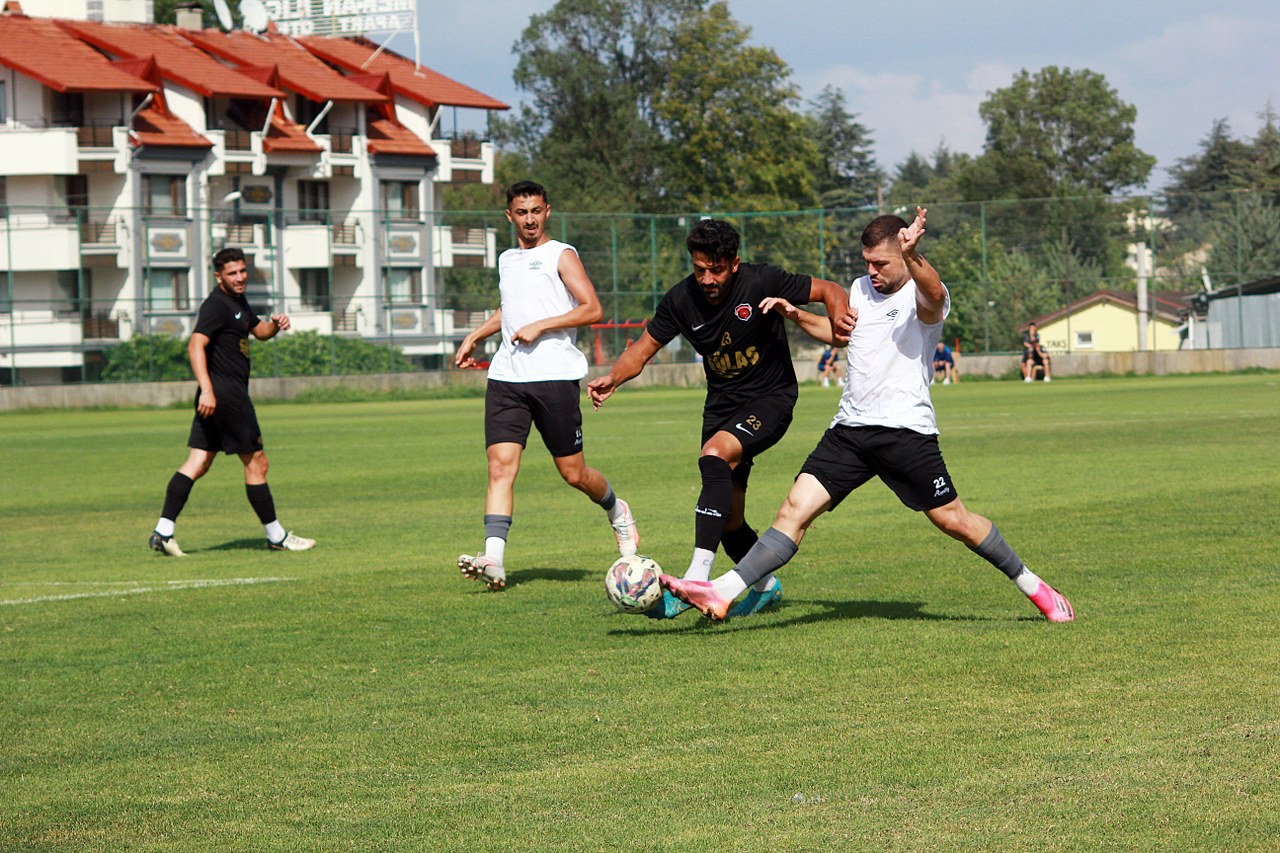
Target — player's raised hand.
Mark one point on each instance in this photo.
(281, 321)
(909, 237)
(782, 306)
(601, 389)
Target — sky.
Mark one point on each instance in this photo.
(914, 73)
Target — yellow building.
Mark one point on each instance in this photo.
(1107, 321)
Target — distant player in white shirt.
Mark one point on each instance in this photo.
(885, 427)
(534, 377)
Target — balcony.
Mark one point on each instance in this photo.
(34, 241)
(26, 150)
(464, 246)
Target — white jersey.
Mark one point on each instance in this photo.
(888, 365)
(531, 290)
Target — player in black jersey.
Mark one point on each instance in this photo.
(751, 384)
(225, 419)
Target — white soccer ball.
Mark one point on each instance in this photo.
(632, 584)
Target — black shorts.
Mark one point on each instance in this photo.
(233, 426)
(907, 461)
(509, 408)
(758, 424)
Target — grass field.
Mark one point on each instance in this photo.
(363, 696)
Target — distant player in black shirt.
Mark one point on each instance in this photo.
(225, 419)
(751, 383)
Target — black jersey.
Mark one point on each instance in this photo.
(226, 321)
(744, 351)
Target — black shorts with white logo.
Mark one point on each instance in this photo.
(757, 424)
(907, 461)
(553, 407)
(233, 426)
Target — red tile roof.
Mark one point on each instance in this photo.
(299, 71)
(388, 137)
(179, 60)
(420, 83)
(155, 125)
(38, 48)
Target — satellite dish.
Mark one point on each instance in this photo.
(224, 13)
(255, 15)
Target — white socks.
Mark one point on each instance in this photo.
(700, 566)
(1027, 582)
(165, 527)
(275, 533)
(495, 547)
(729, 585)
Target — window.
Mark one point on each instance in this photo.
(69, 291)
(402, 286)
(4, 199)
(400, 199)
(315, 289)
(308, 110)
(68, 109)
(313, 201)
(1084, 340)
(4, 102)
(165, 195)
(167, 289)
(75, 194)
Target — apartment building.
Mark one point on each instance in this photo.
(130, 152)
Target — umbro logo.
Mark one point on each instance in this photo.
(535, 265)
(893, 313)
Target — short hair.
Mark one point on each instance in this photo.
(882, 228)
(226, 256)
(714, 238)
(523, 188)
(1031, 325)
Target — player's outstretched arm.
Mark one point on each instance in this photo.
(587, 311)
(813, 325)
(840, 317)
(628, 366)
(462, 358)
(931, 295)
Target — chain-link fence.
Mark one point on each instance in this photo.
(92, 294)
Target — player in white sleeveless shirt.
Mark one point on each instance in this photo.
(533, 378)
(885, 426)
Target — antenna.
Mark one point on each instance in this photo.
(224, 14)
(255, 15)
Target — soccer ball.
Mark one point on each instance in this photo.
(632, 584)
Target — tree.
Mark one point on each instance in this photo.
(731, 139)
(594, 68)
(1057, 133)
(1222, 164)
(847, 175)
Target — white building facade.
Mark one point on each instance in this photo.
(130, 153)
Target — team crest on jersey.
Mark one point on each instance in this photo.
(743, 311)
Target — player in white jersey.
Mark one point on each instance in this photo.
(885, 427)
(534, 378)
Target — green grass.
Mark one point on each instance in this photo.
(904, 697)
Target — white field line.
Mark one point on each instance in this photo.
(134, 588)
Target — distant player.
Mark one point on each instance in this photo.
(829, 366)
(944, 364)
(751, 383)
(885, 427)
(225, 419)
(533, 379)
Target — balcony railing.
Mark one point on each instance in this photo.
(98, 233)
(239, 140)
(95, 136)
(467, 149)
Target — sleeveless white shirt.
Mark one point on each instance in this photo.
(889, 361)
(531, 290)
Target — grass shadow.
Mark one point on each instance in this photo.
(515, 578)
(258, 544)
(890, 610)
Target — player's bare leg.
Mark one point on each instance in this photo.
(984, 539)
(499, 501)
(596, 486)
